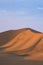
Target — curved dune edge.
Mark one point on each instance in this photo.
(23, 42)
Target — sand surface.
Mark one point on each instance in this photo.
(21, 47)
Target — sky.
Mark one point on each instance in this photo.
(16, 14)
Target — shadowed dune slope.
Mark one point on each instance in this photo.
(22, 42)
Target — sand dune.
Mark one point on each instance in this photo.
(26, 43)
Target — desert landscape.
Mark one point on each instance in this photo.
(21, 47)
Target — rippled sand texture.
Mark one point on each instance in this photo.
(21, 47)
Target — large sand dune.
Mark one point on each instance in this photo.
(23, 46)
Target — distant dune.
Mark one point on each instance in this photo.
(25, 44)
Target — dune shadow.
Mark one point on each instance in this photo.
(9, 59)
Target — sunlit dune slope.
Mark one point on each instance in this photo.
(22, 41)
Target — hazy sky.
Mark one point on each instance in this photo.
(16, 14)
